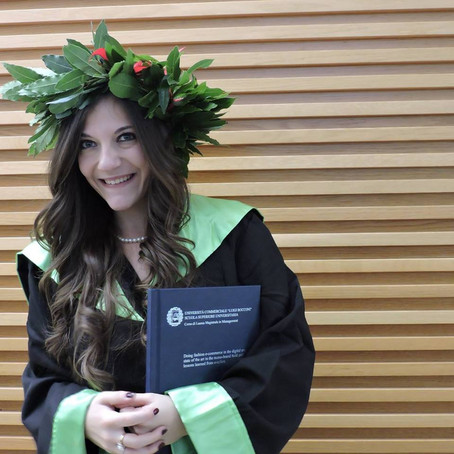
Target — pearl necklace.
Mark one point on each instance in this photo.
(139, 239)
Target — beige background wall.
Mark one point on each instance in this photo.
(342, 135)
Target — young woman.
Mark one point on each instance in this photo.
(120, 220)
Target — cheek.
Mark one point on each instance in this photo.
(84, 165)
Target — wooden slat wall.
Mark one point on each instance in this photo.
(342, 135)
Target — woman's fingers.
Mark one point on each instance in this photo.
(141, 399)
(137, 416)
(145, 443)
(148, 417)
(117, 399)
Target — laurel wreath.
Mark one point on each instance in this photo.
(75, 79)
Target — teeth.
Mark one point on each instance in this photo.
(118, 180)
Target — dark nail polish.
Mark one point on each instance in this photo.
(129, 395)
(164, 431)
(156, 411)
(161, 445)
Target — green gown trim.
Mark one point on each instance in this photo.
(212, 420)
(68, 429)
(209, 414)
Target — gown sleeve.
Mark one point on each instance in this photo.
(54, 406)
(270, 385)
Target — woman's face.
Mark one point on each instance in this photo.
(111, 158)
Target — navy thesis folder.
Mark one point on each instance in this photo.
(195, 334)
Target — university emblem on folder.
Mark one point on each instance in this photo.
(174, 316)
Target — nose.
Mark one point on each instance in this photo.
(109, 159)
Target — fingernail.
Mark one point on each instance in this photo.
(164, 431)
(156, 411)
(129, 395)
(161, 445)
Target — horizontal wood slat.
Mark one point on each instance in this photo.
(378, 291)
(16, 443)
(384, 369)
(363, 421)
(171, 11)
(12, 368)
(317, 187)
(363, 239)
(11, 393)
(251, 33)
(384, 343)
(371, 265)
(371, 446)
(14, 343)
(12, 319)
(357, 213)
(397, 134)
(382, 395)
(217, 9)
(343, 318)
(336, 83)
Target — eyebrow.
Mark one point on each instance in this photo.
(123, 128)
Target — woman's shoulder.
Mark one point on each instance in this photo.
(211, 220)
(211, 206)
(37, 253)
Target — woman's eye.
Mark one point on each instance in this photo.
(126, 137)
(84, 144)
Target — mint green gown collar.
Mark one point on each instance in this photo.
(211, 220)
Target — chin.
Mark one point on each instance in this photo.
(119, 207)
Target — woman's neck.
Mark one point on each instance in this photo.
(131, 224)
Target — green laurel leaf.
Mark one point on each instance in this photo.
(57, 63)
(116, 47)
(42, 87)
(164, 97)
(116, 68)
(124, 85)
(74, 42)
(200, 64)
(47, 140)
(80, 58)
(63, 104)
(152, 76)
(129, 61)
(41, 129)
(173, 65)
(10, 89)
(71, 80)
(21, 73)
(100, 35)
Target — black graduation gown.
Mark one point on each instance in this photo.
(270, 385)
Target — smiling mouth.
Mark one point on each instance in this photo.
(112, 182)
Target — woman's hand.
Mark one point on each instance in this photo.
(105, 425)
(155, 411)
